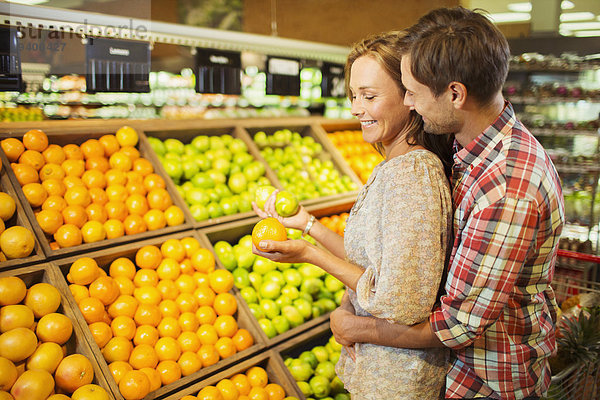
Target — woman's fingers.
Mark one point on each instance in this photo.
(258, 211)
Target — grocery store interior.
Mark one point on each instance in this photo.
(136, 135)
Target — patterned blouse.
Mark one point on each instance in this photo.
(398, 231)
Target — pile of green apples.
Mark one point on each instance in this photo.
(281, 296)
(314, 372)
(297, 162)
(215, 175)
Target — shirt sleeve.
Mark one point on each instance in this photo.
(493, 246)
(406, 262)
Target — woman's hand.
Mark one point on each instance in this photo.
(288, 251)
(296, 221)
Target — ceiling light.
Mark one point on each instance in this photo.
(509, 17)
(519, 7)
(579, 26)
(587, 33)
(28, 2)
(576, 16)
(567, 5)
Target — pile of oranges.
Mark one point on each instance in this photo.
(164, 316)
(15, 241)
(253, 384)
(361, 156)
(336, 223)
(33, 334)
(101, 189)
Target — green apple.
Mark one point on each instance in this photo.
(327, 304)
(229, 206)
(317, 311)
(309, 357)
(293, 233)
(255, 280)
(274, 276)
(283, 301)
(244, 258)
(256, 311)
(270, 290)
(202, 180)
(267, 327)
(337, 296)
(281, 324)
(293, 315)
(326, 369)
(223, 190)
(304, 307)
(334, 344)
(237, 146)
(290, 291)
(199, 212)
(222, 165)
(262, 194)
(157, 145)
(174, 146)
(332, 283)
(190, 168)
(263, 265)
(342, 396)
(240, 278)
(337, 386)
(286, 204)
(311, 271)
(237, 183)
(242, 159)
(311, 286)
(196, 195)
(269, 308)
(246, 241)
(320, 386)
(214, 210)
(254, 170)
(334, 357)
(173, 169)
(292, 277)
(321, 353)
(202, 143)
(189, 150)
(300, 370)
(249, 295)
(260, 138)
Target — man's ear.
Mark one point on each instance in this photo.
(458, 93)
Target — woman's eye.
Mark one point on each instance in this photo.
(369, 97)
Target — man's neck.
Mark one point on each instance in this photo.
(477, 119)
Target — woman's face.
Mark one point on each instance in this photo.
(377, 102)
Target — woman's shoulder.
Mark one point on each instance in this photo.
(416, 160)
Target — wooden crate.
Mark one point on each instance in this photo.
(77, 137)
(231, 233)
(186, 136)
(104, 258)
(77, 344)
(18, 218)
(269, 360)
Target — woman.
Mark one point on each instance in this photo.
(393, 253)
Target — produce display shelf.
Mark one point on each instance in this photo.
(104, 258)
(268, 360)
(78, 136)
(77, 343)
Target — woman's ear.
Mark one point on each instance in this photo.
(458, 93)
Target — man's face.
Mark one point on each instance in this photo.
(439, 115)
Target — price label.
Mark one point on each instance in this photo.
(333, 84)
(117, 66)
(283, 76)
(218, 71)
(10, 61)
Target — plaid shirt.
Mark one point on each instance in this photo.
(499, 310)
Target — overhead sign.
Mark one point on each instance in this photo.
(283, 76)
(117, 66)
(10, 61)
(332, 83)
(218, 71)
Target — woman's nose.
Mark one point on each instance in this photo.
(356, 110)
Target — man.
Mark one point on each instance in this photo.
(498, 311)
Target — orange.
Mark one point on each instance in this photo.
(13, 148)
(35, 139)
(225, 347)
(43, 299)
(147, 295)
(134, 385)
(136, 204)
(207, 334)
(99, 164)
(169, 371)
(93, 231)
(205, 296)
(101, 332)
(168, 308)
(257, 377)
(110, 144)
(174, 216)
(148, 257)
(134, 224)
(115, 177)
(258, 393)
(120, 161)
(92, 309)
(73, 167)
(169, 327)
(93, 178)
(143, 167)
(124, 305)
(153, 377)
(241, 383)
(25, 173)
(154, 181)
(228, 389)
(126, 286)
(16, 242)
(225, 304)
(116, 193)
(18, 344)
(47, 356)
(51, 171)
(188, 321)
(89, 392)
(221, 280)
(134, 177)
(98, 196)
(117, 349)
(114, 228)
(54, 154)
(187, 302)
(168, 290)
(54, 187)
(145, 334)
(116, 210)
(189, 341)
(143, 356)
(49, 220)
(168, 269)
(190, 244)
(72, 181)
(167, 348)
(145, 277)
(7, 206)
(173, 248)
(200, 278)
(118, 369)
(206, 315)
(74, 215)
(73, 372)
(35, 194)
(106, 289)
(127, 136)
(268, 229)
(185, 283)
(33, 384)
(15, 316)
(78, 196)
(210, 393)
(92, 148)
(135, 188)
(68, 235)
(96, 212)
(83, 271)
(203, 260)
(242, 339)
(32, 158)
(147, 314)
(12, 290)
(225, 325)
(54, 327)
(159, 199)
(123, 326)
(122, 267)
(208, 355)
(56, 203)
(189, 363)
(155, 219)
(73, 152)
(79, 292)
(132, 153)
(187, 267)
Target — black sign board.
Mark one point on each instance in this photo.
(283, 76)
(332, 84)
(10, 61)
(218, 71)
(117, 66)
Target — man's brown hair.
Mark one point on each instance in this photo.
(461, 45)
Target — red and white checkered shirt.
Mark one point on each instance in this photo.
(499, 311)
